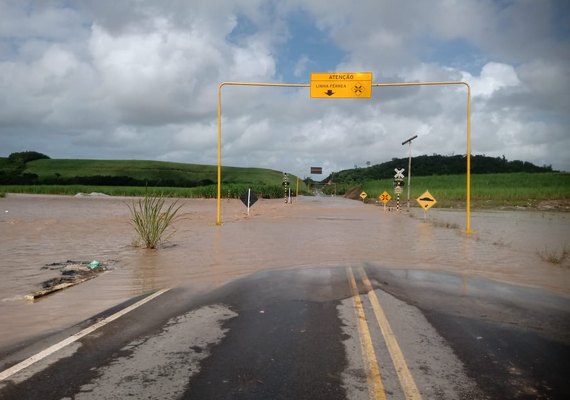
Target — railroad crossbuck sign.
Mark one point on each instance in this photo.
(385, 197)
(399, 173)
(426, 200)
(341, 85)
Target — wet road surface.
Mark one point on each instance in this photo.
(354, 331)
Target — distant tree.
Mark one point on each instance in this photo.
(368, 163)
(23, 157)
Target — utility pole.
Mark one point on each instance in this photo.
(409, 141)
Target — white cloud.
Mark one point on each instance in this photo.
(139, 79)
(493, 77)
(301, 66)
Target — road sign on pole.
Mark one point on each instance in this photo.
(363, 195)
(248, 199)
(385, 197)
(426, 200)
(347, 85)
(399, 174)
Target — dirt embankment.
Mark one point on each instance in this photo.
(353, 193)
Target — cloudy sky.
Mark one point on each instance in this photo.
(138, 79)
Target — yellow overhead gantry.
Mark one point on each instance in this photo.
(221, 85)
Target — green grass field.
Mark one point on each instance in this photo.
(150, 170)
(487, 190)
(235, 180)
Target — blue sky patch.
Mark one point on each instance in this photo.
(308, 43)
(457, 53)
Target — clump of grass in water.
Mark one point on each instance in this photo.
(151, 220)
(553, 256)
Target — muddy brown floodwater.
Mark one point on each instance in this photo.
(510, 246)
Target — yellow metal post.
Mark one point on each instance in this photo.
(218, 214)
(468, 223)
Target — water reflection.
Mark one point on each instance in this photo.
(146, 269)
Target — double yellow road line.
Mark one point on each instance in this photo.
(373, 370)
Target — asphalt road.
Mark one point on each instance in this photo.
(346, 332)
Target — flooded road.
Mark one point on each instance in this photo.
(510, 246)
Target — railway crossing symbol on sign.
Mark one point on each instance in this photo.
(399, 173)
(385, 197)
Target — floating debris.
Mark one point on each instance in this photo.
(72, 273)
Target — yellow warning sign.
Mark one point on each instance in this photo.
(385, 197)
(347, 85)
(426, 200)
(363, 195)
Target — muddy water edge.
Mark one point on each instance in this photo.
(520, 247)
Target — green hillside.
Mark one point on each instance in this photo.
(131, 177)
(151, 171)
(134, 172)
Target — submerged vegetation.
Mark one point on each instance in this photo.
(151, 219)
(554, 256)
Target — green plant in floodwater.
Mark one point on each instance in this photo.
(151, 219)
(553, 256)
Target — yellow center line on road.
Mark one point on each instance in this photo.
(407, 382)
(375, 385)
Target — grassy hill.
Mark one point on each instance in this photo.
(152, 171)
(122, 177)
